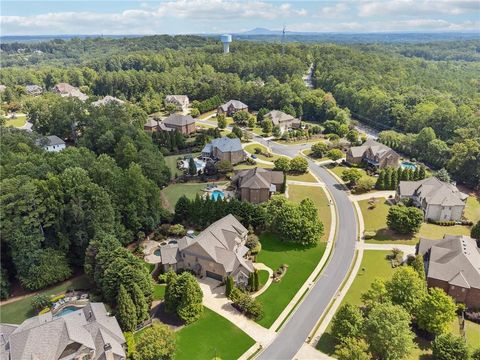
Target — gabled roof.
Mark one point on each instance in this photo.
(178, 120)
(434, 191)
(65, 89)
(46, 337)
(224, 144)
(107, 100)
(50, 140)
(376, 148)
(279, 117)
(32, 88)
(179, 99)
(454, 259)
(258, 178)
(236, 104)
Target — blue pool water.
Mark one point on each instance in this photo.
(217, 194)
(67, 310)
(157, 252)
(408, 165)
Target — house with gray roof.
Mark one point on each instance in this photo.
(51, 143)
(33, 90)
(67, 90)
(217, 252)
(108, 100)
(453, 264)
(224, 148)
(258, 184)
(181, 102)
(231, 107)
(373, 153)
(182, 123)
(87, 333)
(440, 201)
(283, 120)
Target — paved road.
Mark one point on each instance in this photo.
(305, 317)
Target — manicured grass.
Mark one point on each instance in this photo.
(307, 177)
(159, 291)
(173, 192)
(149, 266)
(211, 336)
(263, 276)
(19, 121)
(338, 170)
(298, 192)
(250, 148)
(472, 210)
(257, 130)
(171, 162)
(247, 166)
(207, 114)
(376, 220)
(17, 311)
(301, 262)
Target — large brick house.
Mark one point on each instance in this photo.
(182, 123)
(231, 107)
(67, 90)
(373, 153)
(283, 120)
(224, 149)
(217, 252)
(453, 264)
(257, 185)
(439, 200)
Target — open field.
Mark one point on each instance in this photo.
(301, 262)
(298, 192)
(376, 220)
(212, 336)
(17, 311)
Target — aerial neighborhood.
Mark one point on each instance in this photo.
(254, 215)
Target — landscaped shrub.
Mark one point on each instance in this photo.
(246, 304)
(40, 302)
(177, 230)
(473, 316)
(369, 234)
(253, 244)
(54, 299)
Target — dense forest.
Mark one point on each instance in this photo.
(107, 185)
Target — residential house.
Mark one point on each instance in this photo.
(34, 90)
(224, 149)
(182, 123)
(373, 153)
(440, 201)
(180, 101)
(217, 252)
(257, 185)
(51, 143)
(453, 264)
(65, 89)
(283, 120)
(108, 100)
(231, 107)
(87, 333)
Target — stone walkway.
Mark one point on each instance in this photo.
(407, 249)
(261, 266)
(376, 194)
(305, 183)
(214, 298)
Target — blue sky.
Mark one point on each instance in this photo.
(36, 17)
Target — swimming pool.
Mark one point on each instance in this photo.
(217, 194)
(67, 310)
(408, 165)
(157, 252)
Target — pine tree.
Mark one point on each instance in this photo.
(380, 185)
(400, 173)
(172, 295)
(256, 281)
(190, 307)
(192, 168)
(126, 312)
(422, 174)
(394, 181)
(284, 184)
(388, 179)
(229, 286)
(251, 280)
(140, 303)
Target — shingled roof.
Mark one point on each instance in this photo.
(224, 144)
(378, 149)
(278, 117)
(178, 120)
(258, 178)
(434, 191)
(237, 105)
(454, 259)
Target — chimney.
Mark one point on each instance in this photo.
(107, 348)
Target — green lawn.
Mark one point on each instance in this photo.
(338, 170)
(149, 266)
(18, 311)
(298, 192)
(173, 192)
(211, 336)
(263, 276)
(19, 121)
(376, 220)
(247, 166)
(207, 114)
(159, 291)
(250, 148)
(307, 177)
(171, 162)
(472, 210)
(300, 260)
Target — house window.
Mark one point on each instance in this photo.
(452, 287)
(463, 290)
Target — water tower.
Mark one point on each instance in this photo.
(226, 40)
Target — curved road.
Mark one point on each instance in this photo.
(301, 323)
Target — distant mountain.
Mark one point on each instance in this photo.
(261, 31)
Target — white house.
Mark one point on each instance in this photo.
(51, 143)
(180, 101)
(440, 201)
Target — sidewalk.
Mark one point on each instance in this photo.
(376, 194)
(407, 249)
(261, 266)
(305, 183)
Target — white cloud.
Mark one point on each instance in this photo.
(417, 7)
(147, 19)
(334, 10)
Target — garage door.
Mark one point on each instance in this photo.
(214, 276)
